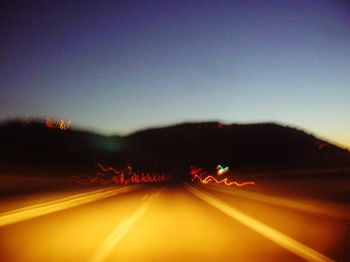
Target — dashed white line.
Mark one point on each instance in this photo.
(121, 230)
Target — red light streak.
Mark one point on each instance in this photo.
(205, 178)
(50, 123)
(125, 176)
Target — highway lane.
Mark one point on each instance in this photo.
(173, 223)
(71, 234)
(323, 226)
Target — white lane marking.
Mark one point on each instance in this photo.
(274, 235)
(145, 196)
(327, 209)
(33, 211)
(120, 231)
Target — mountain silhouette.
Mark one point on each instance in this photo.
(174, 148)
(265, 145)
(36, 145)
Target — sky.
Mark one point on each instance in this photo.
(118, 66)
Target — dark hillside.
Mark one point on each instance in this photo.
(242, 146)
(174, 149)
(36, 145)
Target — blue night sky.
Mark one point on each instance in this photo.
(118, 66)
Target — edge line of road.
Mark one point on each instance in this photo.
(333, 211)
(268, 232)
(29, 212)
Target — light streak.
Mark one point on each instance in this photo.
(274, 235)
(50, 123)
(210, 178)
(221, 171)
(205, 178)
(59, 124)
(109, 175)
(33, 211)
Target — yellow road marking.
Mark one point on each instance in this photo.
(33, 211)
(120, 231)
(274, 235)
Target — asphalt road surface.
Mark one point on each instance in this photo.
(176, 223)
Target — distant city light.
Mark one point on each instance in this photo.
(59, 124)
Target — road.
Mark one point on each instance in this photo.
(175, 223)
